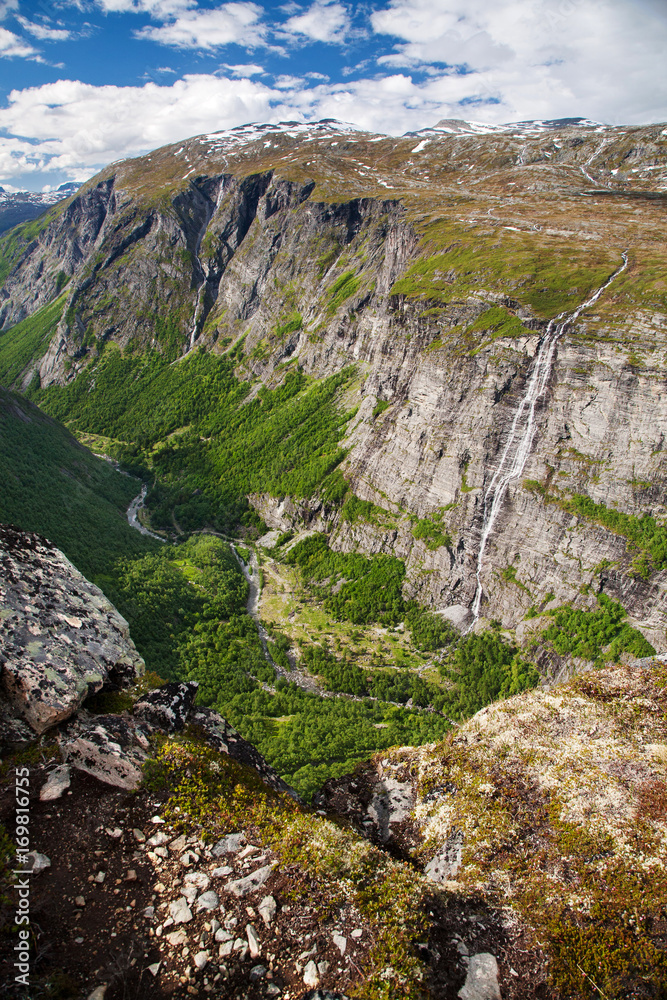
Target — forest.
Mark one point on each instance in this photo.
(204, 440)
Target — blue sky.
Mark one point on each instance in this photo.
(86, 82)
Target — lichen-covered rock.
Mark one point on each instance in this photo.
(61, 640)
(168, 707)
(111, 748)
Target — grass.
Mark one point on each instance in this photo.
(56, 487)
(548, 276)
(14, 243)
(343, 288)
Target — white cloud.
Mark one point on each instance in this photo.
(159, 9)
(44, 33)
(11, 45)
(232, 23)
(601, 59)
(324, 21)
(76, 127)
(244, 69)
(597, 58)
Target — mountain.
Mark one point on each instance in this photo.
(22, 206)
(433, 268)
(397, 408)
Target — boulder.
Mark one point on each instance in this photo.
(61, 640)
(168, 707)
(111, 748)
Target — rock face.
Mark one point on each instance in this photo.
(276, 218)
(61, 640)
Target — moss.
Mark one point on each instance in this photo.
(210, 792)
(550, 277)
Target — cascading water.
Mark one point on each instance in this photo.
(520, 440)
(202, 288)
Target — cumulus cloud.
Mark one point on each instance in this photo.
(232, 23)
(77, 127)
(599, 58)
(324, 21)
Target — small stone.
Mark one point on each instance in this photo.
(267, 909)
(139, 835)
(99, 992)
(149, 912)
(78, 940)
(322, 968)
(131, 876)
(247, 851)
(176, 938)
(219, 872)
(100, 877)
(230, 844)
(253, 941)
(154, 968)
(178, 845)
(482, 979)
(208, 901)
(158, 839)
(226, 948)
(180, 911)
(356, 933)
(340, 942)
(115, 834)
(310, 975)
(201, 959)
(158, 887)
(156, 819)
(223, 935)
(243, 886)
(80, 901)
(38, 862)
(57, 782)
(272, 990)
(199, 879)
(215, 926)
(257, 972)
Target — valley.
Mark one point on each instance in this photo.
(385, 428)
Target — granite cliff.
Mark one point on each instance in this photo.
(434, 264)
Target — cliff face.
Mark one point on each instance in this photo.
(434, 264)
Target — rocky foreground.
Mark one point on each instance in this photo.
(525, 856)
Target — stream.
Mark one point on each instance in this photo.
(133, 515)
(520, 440)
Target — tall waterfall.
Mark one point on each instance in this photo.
(520, 440)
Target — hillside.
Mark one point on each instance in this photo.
(397, 289)
(522, 856)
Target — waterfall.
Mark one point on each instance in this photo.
(202, 288)
(520, 440)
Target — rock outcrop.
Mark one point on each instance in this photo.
(61, 640)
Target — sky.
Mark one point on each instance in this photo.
(87, 82)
